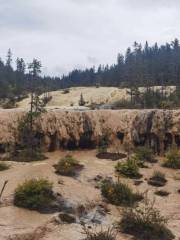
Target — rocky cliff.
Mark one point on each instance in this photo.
(56, 129)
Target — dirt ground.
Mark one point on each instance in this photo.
(21, 224)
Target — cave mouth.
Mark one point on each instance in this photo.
(168, 141)
(86, 141)
(120, 136)
(53, 143)
(177, 140)
(141, 141)
(2, 149)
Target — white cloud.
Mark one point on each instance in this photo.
(69, 33)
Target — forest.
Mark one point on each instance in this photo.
(142, 65)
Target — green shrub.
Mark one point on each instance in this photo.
(34, 194)
(173, 159)
(144, 154)
(128, 169)
(92, 234)
(119, 193)
(158, 179)
(145, 223)
(68, 166)
(3, 166)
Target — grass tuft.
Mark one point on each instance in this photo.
(68, 166)
(172, 159)
(158, 179)
(119, 193)
(128, 169)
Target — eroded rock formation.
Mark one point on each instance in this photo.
(57, 129)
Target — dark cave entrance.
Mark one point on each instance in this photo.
(120, 136)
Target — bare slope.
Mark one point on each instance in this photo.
(101, 95)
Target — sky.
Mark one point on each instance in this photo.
(68, 34)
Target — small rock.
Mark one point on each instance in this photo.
(98, 178)
(56, 220)
(67, 218)
(61, 182)
(137, 182)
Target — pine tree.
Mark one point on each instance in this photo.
(82, 101)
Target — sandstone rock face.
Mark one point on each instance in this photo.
(57, 129)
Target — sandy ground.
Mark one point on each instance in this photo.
(15, 222)
(101, 95)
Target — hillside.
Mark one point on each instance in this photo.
(101, 95)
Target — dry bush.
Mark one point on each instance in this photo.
(145, 223)
(93, 234)
(172, 159)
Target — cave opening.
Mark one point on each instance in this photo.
(86, 142)
(71, 144)
(53, 143)
(120, 136)
(177, 140)
(141, 140)
(2, 148)
(168, 141)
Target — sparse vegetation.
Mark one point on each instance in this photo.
(4, 166)
(68, 166)
(128, 169)
(109, 234)
(144, 154)
(158, 179)
(145, 223)
(34, 194)
(173, 159)
(119, 193)
(28, 155)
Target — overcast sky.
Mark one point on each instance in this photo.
(67, 34)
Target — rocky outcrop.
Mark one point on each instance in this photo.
(82, 129)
